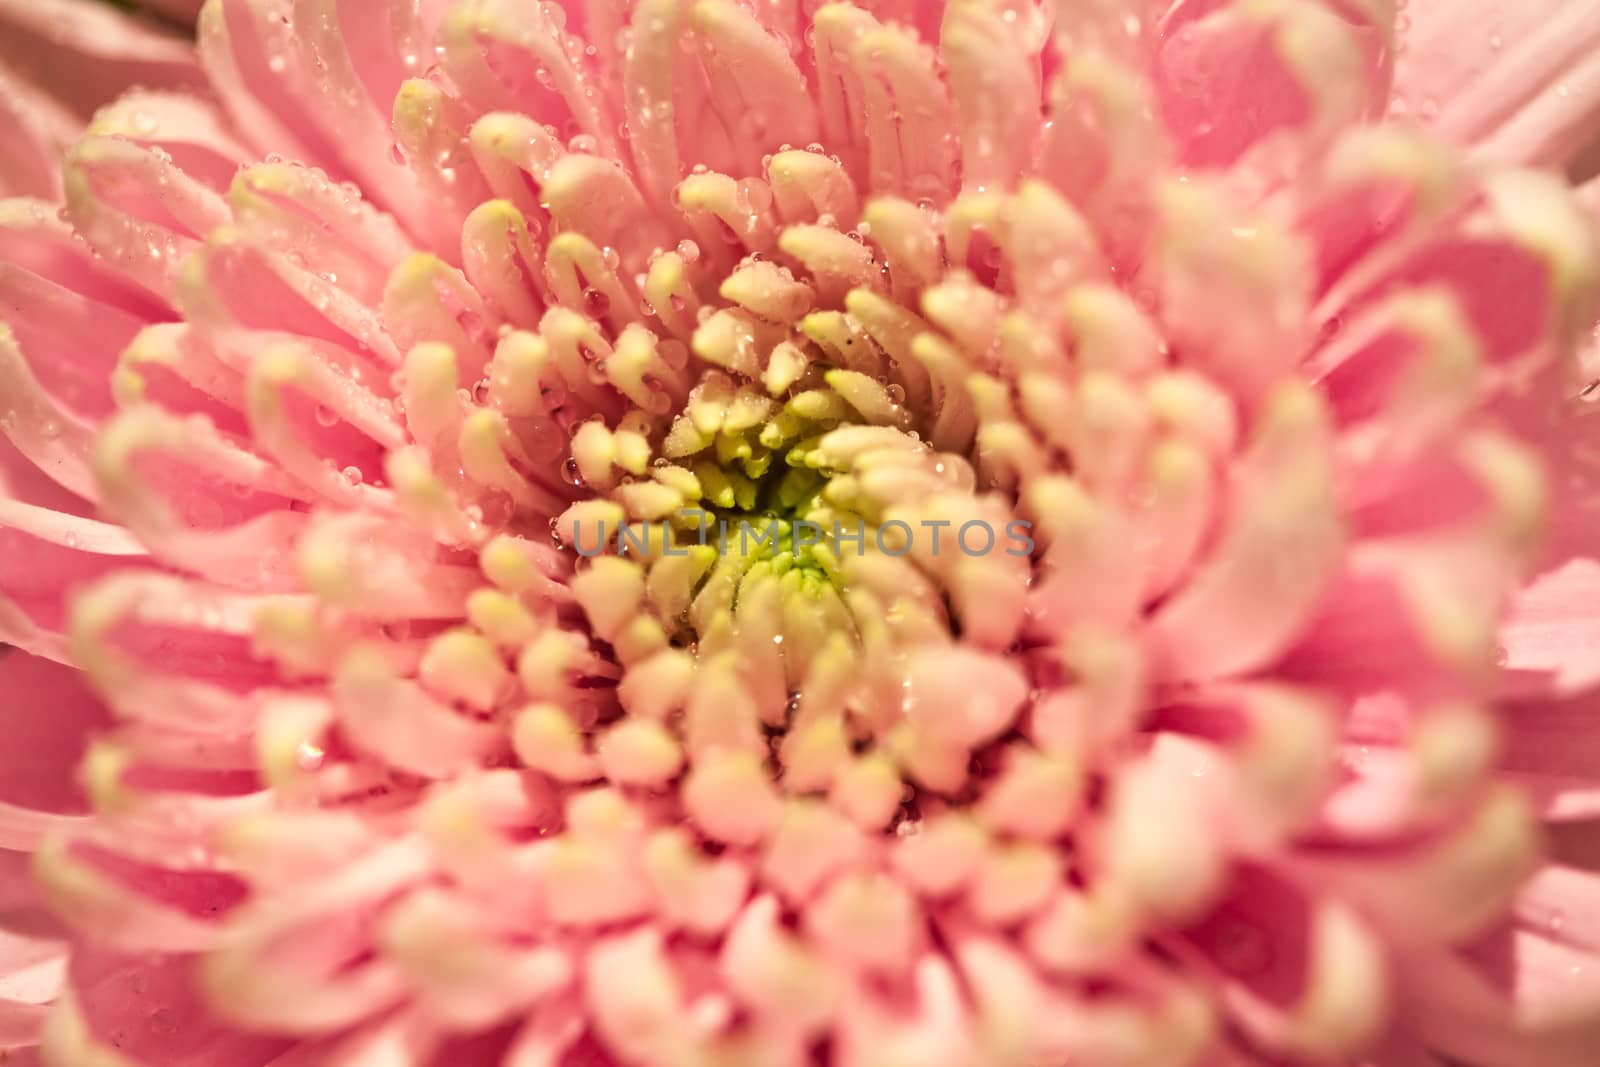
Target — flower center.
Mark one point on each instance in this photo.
(795, 532)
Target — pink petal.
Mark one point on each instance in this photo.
(32, 971)
(35, 237)
(506, 56)
(667, 102)
(1520, 82)
(69, 341)
(758, 91)
(1233, 78)
(207, 671)
(319, 223)
(1550, 748)
(198, 500)
(181, 11)
(1364, 200)
(284, 72)
(250, 86)
(397, 719)
(138, 209)
(154, 1014)
(994, 80)
(84, 53)
(1275, 560)
(1286, 960)
(1465, 1010)
(430, 135)
(190, 128)
(23, 482)
(37, 130)
(45, 556)
(39, 769)
(1103, 142)
(1444, 886)
(1552, 629)
(238, 287)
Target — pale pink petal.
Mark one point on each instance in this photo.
(1518, 82)
(504, 56)
(1552, 631)
(48, 554)
(84, 54)
(1274, 563)
(38, 130)
(189, 127)
(993, 70)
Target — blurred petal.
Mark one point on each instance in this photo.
(83, 53)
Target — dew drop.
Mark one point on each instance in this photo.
(308, 756)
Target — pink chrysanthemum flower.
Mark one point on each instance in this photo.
(1257, 730)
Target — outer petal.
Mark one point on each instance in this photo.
(301, 79)
(36, 128)
(86, 53)
(148, 1015)
(1553, 629)
(1520, 81)
(43, 750)
(43, 554)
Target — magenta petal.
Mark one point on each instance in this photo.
(155, 1016)
(50, 717)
